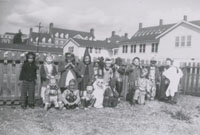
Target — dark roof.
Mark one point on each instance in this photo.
(71, 33)
(22, 47)
(96, 44)
(150, 33)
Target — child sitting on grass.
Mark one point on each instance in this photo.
(141, 88)
(70, 96)
(88, 100)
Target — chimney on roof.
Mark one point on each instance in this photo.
(185, 17)
(92, 31)
(50, 27)
(161, 22)
(126, 35)
(113, 33)
(140, 25)
(30, 31)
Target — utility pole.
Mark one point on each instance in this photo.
(39, 27)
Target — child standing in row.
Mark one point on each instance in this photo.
(28, 76)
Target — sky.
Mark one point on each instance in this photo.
(105, 16)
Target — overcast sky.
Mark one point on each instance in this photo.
(102, 15)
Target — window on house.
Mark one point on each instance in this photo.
(99, 50)
(152, 47)
(71, 49)
(177, 41)
(141, 48)
(144, 48)
(134, 48)
(182, 40)
(96, 50)
(124, 48)
(90, 49)
(156, 47)
(189, 38)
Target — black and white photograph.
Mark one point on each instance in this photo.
(99, 67)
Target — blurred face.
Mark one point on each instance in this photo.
(87, 59)
(72, 85)
(168, 63)
(49, 59)
(136, 62)
(30, 58)
(53, 81)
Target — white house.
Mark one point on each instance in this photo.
(96, 48)
(180, 41)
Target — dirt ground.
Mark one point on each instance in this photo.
(154, 118)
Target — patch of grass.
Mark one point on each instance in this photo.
(179, 115)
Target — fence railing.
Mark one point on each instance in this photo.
(10, 69)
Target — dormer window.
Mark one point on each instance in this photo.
(57, 34)
(62, 35)
(49, 41)
(43, 40)
(67, 36)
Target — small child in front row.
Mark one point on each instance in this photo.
(88, 100)
(52, 94)
(142, 86)
(28, 76)
(70, 96)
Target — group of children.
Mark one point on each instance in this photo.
(96, 84)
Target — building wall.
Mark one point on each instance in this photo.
(167, 46)
(130, 55)
(79, 51)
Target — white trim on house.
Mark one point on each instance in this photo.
(175, 26)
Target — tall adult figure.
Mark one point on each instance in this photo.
(87, 72)
(68, 71)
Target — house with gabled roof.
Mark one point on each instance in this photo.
(97, 48)
(58, 36)
(178, 41)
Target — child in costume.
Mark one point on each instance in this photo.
(133, 72)
(47, 70)
(99, 89)
(154, 80)
(142, 86)
(110, 95)
(28, 76)
(68, 70)
(118, 72)
(88, 100)
(87, 72)
(70, 96)
(52, 94)
(107, 71)
(97, 70)
(174, 74)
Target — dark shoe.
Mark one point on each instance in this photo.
(32, 106)
(23, 107)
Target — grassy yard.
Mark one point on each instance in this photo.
(154, 118)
